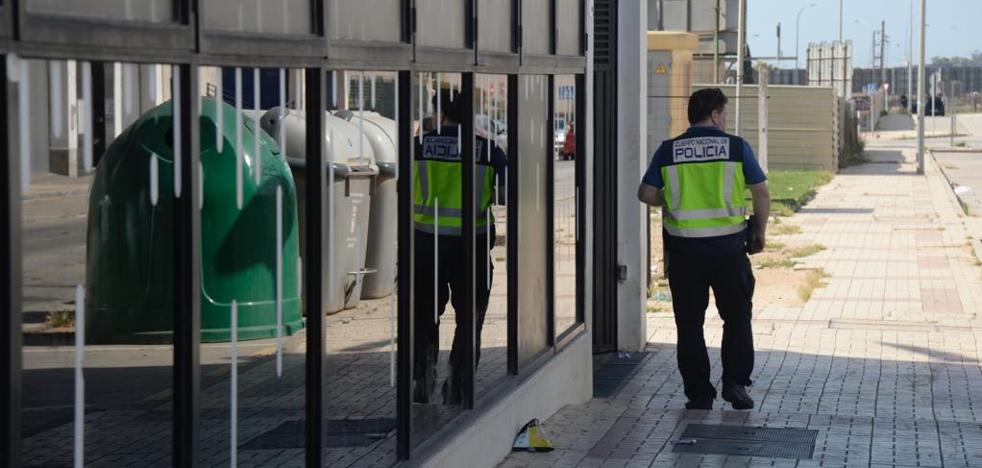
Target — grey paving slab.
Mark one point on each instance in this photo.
(883, 362)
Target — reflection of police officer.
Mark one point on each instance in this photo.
(439, 274)
(700, 178)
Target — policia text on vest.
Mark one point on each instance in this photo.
(438, 222)
(699, 179)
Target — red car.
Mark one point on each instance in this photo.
(569, 146)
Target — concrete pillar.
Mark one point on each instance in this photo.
(632, 112)
(64, 109)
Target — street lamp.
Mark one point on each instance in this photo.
(797, 25)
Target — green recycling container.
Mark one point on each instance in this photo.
(130, 249)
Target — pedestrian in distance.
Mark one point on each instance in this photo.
(699, 179)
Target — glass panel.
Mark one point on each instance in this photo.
(441, 23)
(97, 264)
(491, 229)
(438, 248)
(495, 25)
(361, 249)
(252, 330)
(254, 16)
(535, 27)
(533, 303)
(569, 27)
(155, 11)
(366, 20)
(565, 198)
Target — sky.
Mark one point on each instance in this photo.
(954, 27)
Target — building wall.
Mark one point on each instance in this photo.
(801, 131)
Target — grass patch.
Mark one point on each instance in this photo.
(806, 251)
(790, 190)
(777, 263)
(60, 319)
(775, 245)
(786, 229)
(814, 280)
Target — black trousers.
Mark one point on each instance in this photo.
(732, 281)
(433, 289)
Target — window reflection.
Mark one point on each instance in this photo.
(360, 321)
(438, 274)
(491, 229)
(565, 201)
(252, 330)
(96, 287)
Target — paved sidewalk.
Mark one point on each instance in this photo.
(883, 362)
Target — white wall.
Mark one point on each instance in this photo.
(632, 117)
(567, 379)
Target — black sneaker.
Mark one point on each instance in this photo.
(702, 403)
(737, 395)
(451, 393)
(423, 388)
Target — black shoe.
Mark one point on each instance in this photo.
(451, 393)
(702, 403)
(423, 388)
(737, 395)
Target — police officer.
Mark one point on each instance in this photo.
(700, 178)
(439, 273)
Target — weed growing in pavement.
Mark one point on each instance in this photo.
(60, 319)
(777, 263)
(786, 229)
(814, 280)
(807, 250)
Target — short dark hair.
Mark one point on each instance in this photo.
(702, 103)
(449, 104)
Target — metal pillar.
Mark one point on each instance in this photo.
(10, 283)
(187, 276)
(741, 31)
(314, 264)
(405, 287)
(920, 92)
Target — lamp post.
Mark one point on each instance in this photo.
(797, 26)
(920, 93)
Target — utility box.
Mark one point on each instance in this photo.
(130, 253)
(669, 84)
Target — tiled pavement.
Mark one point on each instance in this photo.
(883, 362)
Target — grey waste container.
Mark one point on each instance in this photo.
(382, 228)
(349, 204)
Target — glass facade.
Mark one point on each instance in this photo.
(245, 259)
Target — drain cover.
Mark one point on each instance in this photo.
(338, 433)
(749, 441)
(609, 376)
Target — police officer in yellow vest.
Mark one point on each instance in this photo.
(439, 273)
(700, 178)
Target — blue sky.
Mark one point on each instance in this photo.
(954, 26)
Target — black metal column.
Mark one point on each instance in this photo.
(187, 277)
(98, 94)
(10, 284)
(579, 160)
(313, 264)
(513, 240)
(404, 277)
(604, 174)
(550, 222)
(469, 218)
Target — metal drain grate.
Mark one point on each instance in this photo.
(748, 441)
(337, 433)
(609, 376)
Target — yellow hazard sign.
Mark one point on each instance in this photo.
(660, 69)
